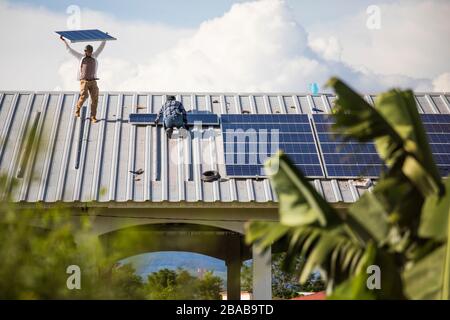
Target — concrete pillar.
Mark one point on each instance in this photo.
(262, 274)
(233, 280)
(234, 263)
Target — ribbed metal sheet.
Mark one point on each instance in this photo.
(76, 161)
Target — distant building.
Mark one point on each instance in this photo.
(311, 296)
(245, 295)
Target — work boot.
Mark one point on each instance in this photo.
(94, 119)
(182, 133)
(77, 113)
(169, 132)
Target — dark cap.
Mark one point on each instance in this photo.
(171, 98)
(89, 48)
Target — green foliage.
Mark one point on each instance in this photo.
(37, 246)
(401, 226)
(168, 284)
(210, 287)
(285, 284)
(247, 277)
(127, 283)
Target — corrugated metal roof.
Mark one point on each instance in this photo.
(106, 152)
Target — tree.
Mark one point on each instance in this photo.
(168, 284)
(210, 287)
(36, 248)
(401, 226)
(38, 245)
(128, 284)
(247, 277)
(285, 284)
(161, 285)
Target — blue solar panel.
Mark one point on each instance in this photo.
(249, 140)
(193, 118)
(352, 159)
(142, 118)
(437, 127)
(205, 119)
(85, 35)
(348, 159)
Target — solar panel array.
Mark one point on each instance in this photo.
(349, 159)
(207, 119)
(85, 35)
(437, 127)
(250, 139)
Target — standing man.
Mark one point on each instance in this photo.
(87, 75)
(174, 115)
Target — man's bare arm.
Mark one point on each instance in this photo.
(99, 49)
(73, 52)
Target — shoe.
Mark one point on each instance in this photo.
(183, 133)
(77, 113)
(169, 132)
(94, 119)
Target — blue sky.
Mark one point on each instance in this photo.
(191, 13)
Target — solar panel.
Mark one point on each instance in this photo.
(348, 159)
(249, 140)
(192, 118)
(205, 119)
(85, 35)
(142, 118)
(437, 127)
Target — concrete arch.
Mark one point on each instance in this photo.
(215, 242)
(105, 224)
(153, 237)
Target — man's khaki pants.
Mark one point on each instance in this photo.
(88, 88)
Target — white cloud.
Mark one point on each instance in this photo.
(329, 48)
(412, 40)
(256, 46)
(442, 83)
(33, 57)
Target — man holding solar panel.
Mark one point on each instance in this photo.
(87, 71)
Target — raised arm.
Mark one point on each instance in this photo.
(99, 49)
(73, 52)
(185, 121)
(160, 113)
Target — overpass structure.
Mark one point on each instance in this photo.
(133, 176)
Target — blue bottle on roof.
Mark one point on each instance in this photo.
(314, 88)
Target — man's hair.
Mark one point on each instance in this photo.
(89, 48)
(171, 98)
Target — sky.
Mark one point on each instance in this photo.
(231, 46)
(192, 13)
